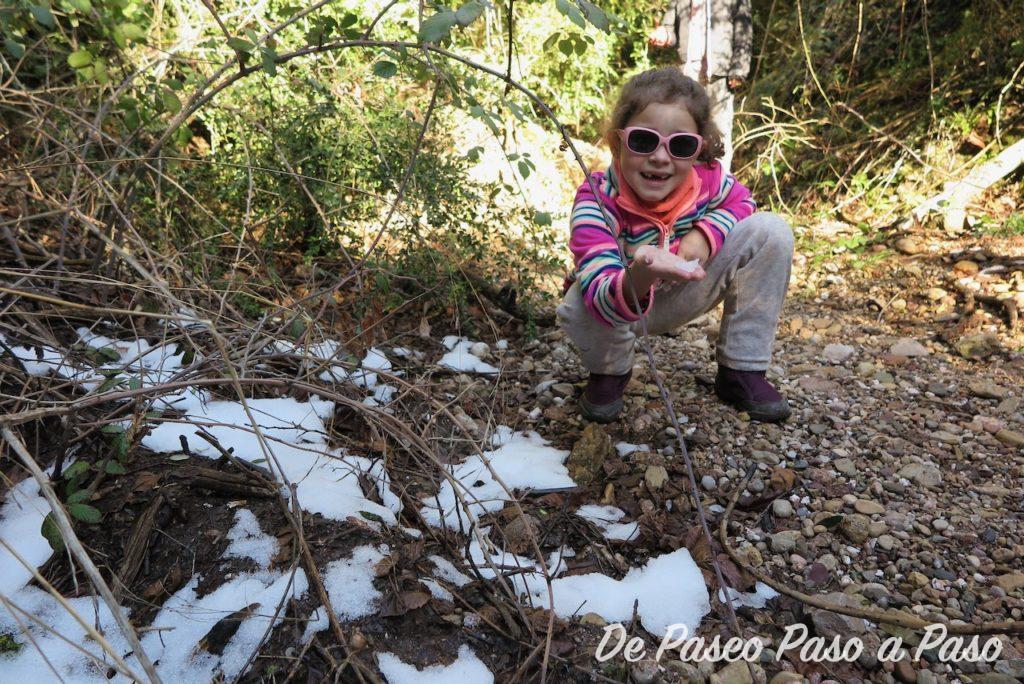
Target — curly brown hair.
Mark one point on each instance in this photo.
(666, 86)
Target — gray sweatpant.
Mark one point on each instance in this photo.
(750, 274)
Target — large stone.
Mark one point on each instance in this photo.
(1011, 581)
(831, 625)
(784, 542)
(923, 474)
(785, 677)
(1010, 437)
(733, 673)
(856, 528)
(868, 507)
(837, 353)
(977, 346)
(908, 347)
(586, 462)
(986, 389)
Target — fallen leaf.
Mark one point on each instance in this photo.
(400, 604)
(146, 480)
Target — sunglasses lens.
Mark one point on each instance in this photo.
(642, 142)
(683, 145)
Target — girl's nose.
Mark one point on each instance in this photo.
(661, 154)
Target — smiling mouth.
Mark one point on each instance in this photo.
(655, 176)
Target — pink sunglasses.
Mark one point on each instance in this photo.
(645, 141)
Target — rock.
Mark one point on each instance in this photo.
(563, 389)
(926, 677)
(1010, 582)
(907, 346)
(734, 673)
(688, 672)
(923, 474)
(856, 528)
(784, 542)
(519, 533)
(585, 463)
(708, 482)
(993, 678)
(831, 625)
(918, 579)
(644, 671)
(767, 457)
(846, 466)
(905, 672)
(909, 245)
(655, 477)
(887, 542)
(966, 267)
(837, 353)
(781, 508)
(785, 677)
(813, 383)
(940, 524)
(986, 389)
(868, 507)
(977, 346)
(480, 350)
(939, 389)
(593, 619)
(1010, 437)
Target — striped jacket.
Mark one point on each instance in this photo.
(721, 203)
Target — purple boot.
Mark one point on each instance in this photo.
(601, 401)
(749, 391)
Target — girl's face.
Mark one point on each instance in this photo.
(654, 176)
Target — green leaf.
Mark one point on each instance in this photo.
(572, 13)
(595, 15)
(132, 32)
(121, 447)
(348, 20)
(437, 27)
(43, 15)
(75, 469)
(115, 468)
(51, 533)
(85, 513)
(113, 379)
(80, 496)
(566, 47)
(170, 101)
(551, 40)
(469, 12)
(269, 63)
(371, 516)
(524, 168)
(240, 44)
(385, 69)
(112, 428)
(83, 6)
(474, 154)
(79, 59)
(542, 218)
(14, 48)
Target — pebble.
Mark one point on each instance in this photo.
(563, 389)
(887, 542)
(845, 466)
(856, 528)
(868, 507)
(781, 508)
(784, 542)
(940, 524)
(908, 347)
(655, 477)
(708, 482)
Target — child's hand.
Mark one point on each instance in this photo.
(661, 36)
(653, 264)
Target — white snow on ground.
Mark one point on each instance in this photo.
(467, 669)
(459, 358)
(248, 541)
(521, 461)
(606, 519)
(625, 448)
(327, 479)
(349, 582)
(20, 519)
(758, 599)
(189, 618)
(447, 571)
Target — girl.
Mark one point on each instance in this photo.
(689, 239)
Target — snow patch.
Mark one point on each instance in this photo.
(466, 668)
